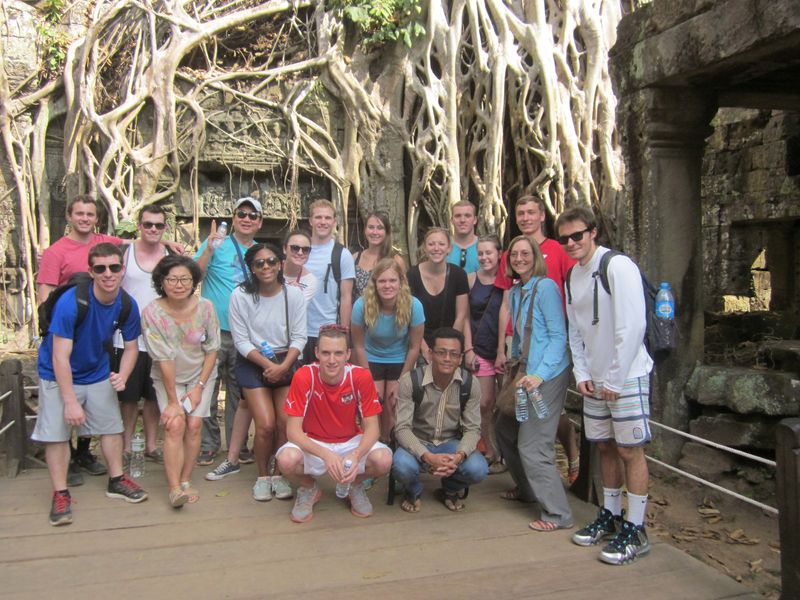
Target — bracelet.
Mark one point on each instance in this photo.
(201, 383)
(469, 349)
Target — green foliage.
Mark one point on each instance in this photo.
(126, 229)
(382, 21)
(52, 37)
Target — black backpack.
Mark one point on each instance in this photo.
(661, 335)
(335, 267)
(81, 283)
(417, 392)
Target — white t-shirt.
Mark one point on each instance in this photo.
(323, 306)
(613, 349)
(306, 283)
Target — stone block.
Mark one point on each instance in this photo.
(745, 390)
(735, 430)
(735, 328)
(783, 355)
(705, 462)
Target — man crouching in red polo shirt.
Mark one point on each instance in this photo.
(328, 404)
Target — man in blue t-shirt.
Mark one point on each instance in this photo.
(464, 253)
(224, 269)
(78, 389)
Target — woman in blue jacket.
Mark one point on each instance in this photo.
(529, 447)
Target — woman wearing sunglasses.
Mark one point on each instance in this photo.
(297, 249)
(181, 332)
(529, 447)
(441, 287)
(386, 329)
(485, 300)
(378, 234)
(267, 317)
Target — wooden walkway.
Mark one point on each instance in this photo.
(229, 546)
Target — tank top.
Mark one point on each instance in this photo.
(139, 284)
(484, 312)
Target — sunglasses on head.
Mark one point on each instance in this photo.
(151, 225)
(300, 249)
(245, 214)
(575, 237)
(334, 327)
(99, 269)
(271, 261)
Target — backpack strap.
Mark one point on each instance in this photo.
(567, 285)
(417, 392)
(416, 384)
(466, 388)
(82, 302)
(602, 275)
(335, 267)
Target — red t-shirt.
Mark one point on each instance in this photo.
(67, 257)
(332, 413)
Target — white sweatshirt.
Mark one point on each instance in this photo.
(612, 350)
(252, 323)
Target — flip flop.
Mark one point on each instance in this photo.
(192, 493)
(546, 526)
(453, 501)
(411, 503)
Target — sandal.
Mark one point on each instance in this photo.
(193, 494)
(497, 466)
(514, 495)
(546, 526)
(411, 503)
(452, 500)
(178, 497)
(574, 469)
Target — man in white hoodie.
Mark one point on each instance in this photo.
(611, 366)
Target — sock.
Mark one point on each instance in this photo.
(636, 508)
(114, 479)
(83, 445)
(612, 500)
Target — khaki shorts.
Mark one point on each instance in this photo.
(203, 409)
(99, 403)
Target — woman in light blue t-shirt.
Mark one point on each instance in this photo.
(386, 329)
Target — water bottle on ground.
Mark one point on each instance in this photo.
(539, 405)
(342, 489)
(223, 230)
(136, 465)
(521, 404)
(267, 351)
(665, 302)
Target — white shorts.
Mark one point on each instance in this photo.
(313, 465)
(626, 420)
(203, 409)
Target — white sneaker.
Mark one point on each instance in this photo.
(281, 487)
(262, 490)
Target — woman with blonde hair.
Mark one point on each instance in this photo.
(442, 288)
(386, 329)
(378, 234)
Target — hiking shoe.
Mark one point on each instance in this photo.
(61, 509)
(126, 489)
(303, 509)
(205, 458)
(603, 527)
(156, 456)
(223, 469)
(74, 475)
(246, 457)
(630, 543)
(262, 490)
(360, 505)
(89, 463)
(281, 487)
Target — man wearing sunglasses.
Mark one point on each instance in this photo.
(76, 385)
(612, 367)
(438, 431)
(224, 269)
(57, 264)
(141, 257)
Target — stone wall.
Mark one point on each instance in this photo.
(751, 210)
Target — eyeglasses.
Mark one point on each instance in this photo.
(150, 225)
(243, 214)
(179, 280)
(271, 261)
(441, 353)
(99, 269)
(575, 237)
(300, 249)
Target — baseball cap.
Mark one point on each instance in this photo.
(249, 200)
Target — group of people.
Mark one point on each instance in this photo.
(337, 360)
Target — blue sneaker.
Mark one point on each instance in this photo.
(223, 469)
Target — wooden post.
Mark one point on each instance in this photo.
(787, 454)
(589, 484)
(15, 439)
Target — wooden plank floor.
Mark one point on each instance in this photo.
(229, 546)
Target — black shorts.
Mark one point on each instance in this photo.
(139, 384)
(385, 371)
(249, 375)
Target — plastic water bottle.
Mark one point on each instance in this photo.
(665, 302)
(223, 230)
(521, 404)
(342, 489)
(136, 465)
(267, 351)
(539, 405)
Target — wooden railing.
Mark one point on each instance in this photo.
(787, 453)
(13, 430)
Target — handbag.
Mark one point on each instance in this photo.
(515, 368)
